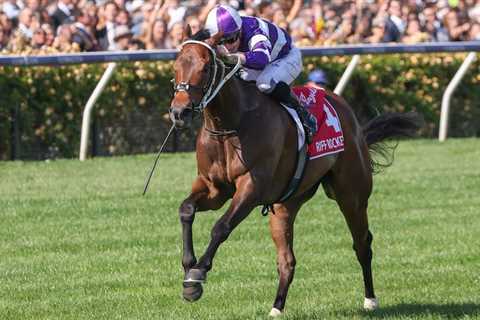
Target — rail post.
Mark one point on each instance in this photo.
(447, 96)
(342, 83)
(89, 107)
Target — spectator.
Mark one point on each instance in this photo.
(474, 12)
(106, 26)
(6, 24)
(363, 27)
(456, 30)
(175, 36)
(123, 37)
(174, 12)
(49, 34)
(156, 35)
(414, 34)
(93, 23)
(395, 25)
(194, 23)
(25, 23)
(63, 40)
(64, 13)
(431, 25)
(39, 38)
(123, 18)
(377, 33)
(83, 34)
(474, 34)
(3, 38)
(11, 9)
(279, 18)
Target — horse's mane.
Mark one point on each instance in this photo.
(201, 35)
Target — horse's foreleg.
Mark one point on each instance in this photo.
(200, 199)
(242, 204)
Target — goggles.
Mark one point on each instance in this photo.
(230, 39)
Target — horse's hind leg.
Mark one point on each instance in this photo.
(281, 228)
(352, 199)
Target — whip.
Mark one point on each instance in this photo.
(156, 160)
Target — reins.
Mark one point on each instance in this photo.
(212, 90)
(208, 95)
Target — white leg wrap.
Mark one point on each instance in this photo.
(370, 304)
(275, 313)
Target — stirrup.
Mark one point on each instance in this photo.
(308, 134)
(310, 126)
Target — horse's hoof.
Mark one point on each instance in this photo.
(275, 313)
(192, 292)
(370, 304)
(195, 276)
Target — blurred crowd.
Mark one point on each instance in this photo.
(93, 25)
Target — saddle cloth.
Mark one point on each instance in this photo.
(329, 137)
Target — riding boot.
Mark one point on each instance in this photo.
(284, 94)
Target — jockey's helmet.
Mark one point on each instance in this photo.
(224, 19)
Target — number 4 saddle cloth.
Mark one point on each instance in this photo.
(329, 137)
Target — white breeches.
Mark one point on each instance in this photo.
(285, 69)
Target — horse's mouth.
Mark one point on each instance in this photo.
(179, 123)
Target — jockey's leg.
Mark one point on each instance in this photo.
(284, 94)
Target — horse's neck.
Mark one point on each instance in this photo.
(225, 110)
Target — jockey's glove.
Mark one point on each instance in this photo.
(232, 58)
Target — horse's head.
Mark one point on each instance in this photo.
(194, 77)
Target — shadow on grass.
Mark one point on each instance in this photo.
(444, 311)
(449, 310)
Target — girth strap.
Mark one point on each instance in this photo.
(294, 183)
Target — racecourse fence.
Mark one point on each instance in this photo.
(168, 55)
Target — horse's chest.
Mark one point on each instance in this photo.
(224, 172)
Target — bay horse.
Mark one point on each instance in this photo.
(246, 151)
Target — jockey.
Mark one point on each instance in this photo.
(267, 54)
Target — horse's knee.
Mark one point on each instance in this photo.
(186, 212)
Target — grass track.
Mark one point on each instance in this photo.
(78, 241)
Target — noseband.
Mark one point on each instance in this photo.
(209, 90)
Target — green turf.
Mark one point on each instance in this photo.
(78, 241)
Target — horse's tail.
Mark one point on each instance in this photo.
(389, 126)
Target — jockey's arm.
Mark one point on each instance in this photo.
(259, 54)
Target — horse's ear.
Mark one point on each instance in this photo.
(187, 32)
(213, 41)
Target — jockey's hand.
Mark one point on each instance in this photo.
(222, 51)
(232, 58)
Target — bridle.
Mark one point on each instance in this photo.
(211, 89)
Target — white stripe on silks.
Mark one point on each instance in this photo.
(264, 51)
(211, 23)
(263, 26)
(258, 38)
(281, 41)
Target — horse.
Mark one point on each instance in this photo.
(246, 150)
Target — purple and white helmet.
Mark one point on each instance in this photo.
(224, 19)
